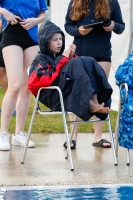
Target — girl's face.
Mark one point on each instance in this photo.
(55, 42)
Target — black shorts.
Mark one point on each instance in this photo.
(15, 35)
(102, 59)
(2, 64)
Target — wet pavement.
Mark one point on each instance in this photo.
(46, 164)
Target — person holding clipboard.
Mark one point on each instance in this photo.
(94, 41)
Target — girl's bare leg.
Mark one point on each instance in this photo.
(96, 107)
(14, 68)
(75, 134)
(98, 125)
(94, 98)
(23, 101)
(3, 78)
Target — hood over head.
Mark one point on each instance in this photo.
(46, 30)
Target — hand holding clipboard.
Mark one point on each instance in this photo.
(98, 24)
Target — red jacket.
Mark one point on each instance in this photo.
(44, 77)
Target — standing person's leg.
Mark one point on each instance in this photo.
(24, 95)
(75, 134)
(99, 125)
(23, 101)
(3, 76)
(14, 69)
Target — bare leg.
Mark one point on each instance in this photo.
(96, 107)
(75, 134)
(71, 118)
(14, 67)
(3, 78)
(4, 82)
(98, 125)
(94, 98)
(24, 95)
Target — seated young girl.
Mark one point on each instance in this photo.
(82, 80)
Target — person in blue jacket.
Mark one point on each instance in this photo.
(20, 21)
(94, 41)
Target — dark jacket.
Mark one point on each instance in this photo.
(46, 65)
(78, 79)
(96, 43)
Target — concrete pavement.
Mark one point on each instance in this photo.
(46, 164)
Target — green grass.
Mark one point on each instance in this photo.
(53, 124)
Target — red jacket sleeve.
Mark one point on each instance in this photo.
(35, 82)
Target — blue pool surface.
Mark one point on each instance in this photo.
(101, 192)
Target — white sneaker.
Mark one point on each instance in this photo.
(20, 139)
(4, 141)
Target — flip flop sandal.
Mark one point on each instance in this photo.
(100, 144)
(72, 142)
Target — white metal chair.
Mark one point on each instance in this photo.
(50, 113)
(96, 120)
(120, 105)
(63, 112)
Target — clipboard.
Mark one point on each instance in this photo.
(94, 25)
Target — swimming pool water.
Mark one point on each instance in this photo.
(101, 192)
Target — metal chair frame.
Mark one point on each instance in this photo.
(120, 105)
(96, 120)
(65, 122)
(50, 113)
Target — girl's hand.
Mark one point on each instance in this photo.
(84, 31)
(73, 48)
(10, 18)
(67, 53)
(28, 23)
(109, 28)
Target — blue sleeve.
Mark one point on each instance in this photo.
(122, 74)
(116, 16)
(70, 25)
(43, 5)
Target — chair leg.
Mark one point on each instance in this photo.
(72, 132)
(30, 129)
(116, 146)
(116, 135)
(68, 145)
(112, 141)
(117, 124)
(128, 157)
(66, 130)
